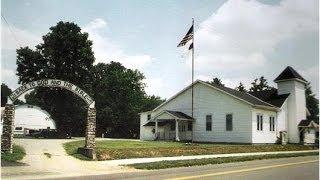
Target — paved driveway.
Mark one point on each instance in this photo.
(58, 165)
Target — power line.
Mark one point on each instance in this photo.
(13, 35)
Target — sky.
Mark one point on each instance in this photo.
(236, 40)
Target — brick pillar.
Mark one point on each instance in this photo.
(90, 144)
(7, 131)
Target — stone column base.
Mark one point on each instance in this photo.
(88, 152)
(8, 127)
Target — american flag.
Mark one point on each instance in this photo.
(187, 38)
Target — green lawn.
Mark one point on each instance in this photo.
(17, 154)
(201, 162)
(122, 149)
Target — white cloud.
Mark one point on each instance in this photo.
(241, 33)
(10, 78)
(107, 50)
(234, 82)
(153, 85)
(312, 74)
(202, 77)
(228, 82)
(13, 38)
(96, 24)
(158, 86)
(7, 73)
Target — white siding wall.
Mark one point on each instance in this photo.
(219, 104)
(309, 136)
(264, 136)
(282, 119)
(145, 131)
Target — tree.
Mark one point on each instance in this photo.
(66, 54)
(151, 102)
(241, 88)
(5, 93)
(119, 94)
(312, 103)
(216, 81)
(260, 85)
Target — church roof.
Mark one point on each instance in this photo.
(271, 96)
(289, 73)
(242, 95)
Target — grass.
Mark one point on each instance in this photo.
(201, 162)
(123, 149)
(17, 154)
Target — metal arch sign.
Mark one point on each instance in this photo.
(52, 83)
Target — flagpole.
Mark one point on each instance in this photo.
(193, 45)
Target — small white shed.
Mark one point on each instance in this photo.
(29, 117)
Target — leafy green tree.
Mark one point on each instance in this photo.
(241, 88)
(119, 94)
(66, 54)
(312, 103)
(5, 93)
(216, 81)
(259, 85)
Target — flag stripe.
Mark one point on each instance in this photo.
(184, 41)
(187, 37)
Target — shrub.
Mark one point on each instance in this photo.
(17, 154)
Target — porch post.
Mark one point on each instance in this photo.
(156, 129)
(177, 130)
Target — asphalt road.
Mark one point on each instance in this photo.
(305, 168)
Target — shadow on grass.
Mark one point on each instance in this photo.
(5, 163)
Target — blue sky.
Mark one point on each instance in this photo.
(235, 40)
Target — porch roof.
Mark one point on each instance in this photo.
(167, 116)
(308, 123)
(172, 115)
(152, 123)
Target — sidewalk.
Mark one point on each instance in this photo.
(146, 160)
(62, 165)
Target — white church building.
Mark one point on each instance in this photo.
(222, 114)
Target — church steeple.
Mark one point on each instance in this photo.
(288, 74)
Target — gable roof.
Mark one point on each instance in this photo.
(289, 73)
(271, 96)
(242, 96)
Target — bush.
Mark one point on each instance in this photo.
(17, 154)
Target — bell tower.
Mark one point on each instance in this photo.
(291, 82)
